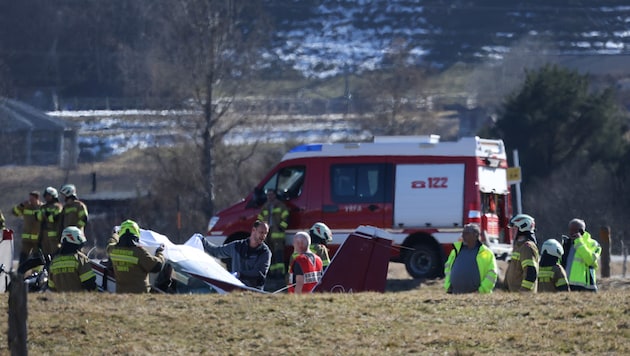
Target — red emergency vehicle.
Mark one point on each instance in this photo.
(420, 190)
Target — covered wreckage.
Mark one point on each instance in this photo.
(360, 265)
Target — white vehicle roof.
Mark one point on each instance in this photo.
(404, 146)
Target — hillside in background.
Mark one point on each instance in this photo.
(329, 37)
(61, 48)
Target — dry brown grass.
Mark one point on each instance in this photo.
(422, 320)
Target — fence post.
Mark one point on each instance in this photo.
(604, 240)
(18, 314)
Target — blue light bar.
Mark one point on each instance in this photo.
(307, 148)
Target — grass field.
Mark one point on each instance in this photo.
(410, 318)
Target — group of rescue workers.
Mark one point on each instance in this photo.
(58, 230)
(567, 266)
(53, 229)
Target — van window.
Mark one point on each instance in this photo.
(357, 183)
(287, 182)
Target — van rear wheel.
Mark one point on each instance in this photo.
(423, 261)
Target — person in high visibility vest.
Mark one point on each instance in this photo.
(276, 214)
(30, 231)
(581, 257)
(306, 269)
(70, 269)
(551, 275)
(49, 216)
(133, 263)
(471, 266)
(522, 270)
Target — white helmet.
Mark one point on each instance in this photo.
(68, 190)
(524, 222)
(73, 235)
(552, 247)
(52, 192)
(321, 231)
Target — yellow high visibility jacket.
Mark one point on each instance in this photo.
(587, 252)
(486, 263)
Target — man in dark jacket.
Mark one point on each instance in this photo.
(250, 257)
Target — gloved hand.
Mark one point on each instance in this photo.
(159, 250)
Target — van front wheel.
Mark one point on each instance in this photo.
(423, 261)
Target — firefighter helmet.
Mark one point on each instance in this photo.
(73, 235)
(552, 247)
(52, 192)
(68, 190)
(523, 222)
(321, 231)
(130, 226)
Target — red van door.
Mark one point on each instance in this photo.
(356, 194)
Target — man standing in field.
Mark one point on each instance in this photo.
(522, 270)
(580, 258)
(74, 212)
(276, 214)
(30, 231)
(471, 266)
(49, 216)
(306, 269)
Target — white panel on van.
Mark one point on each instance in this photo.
(493, 180)
(429, 195)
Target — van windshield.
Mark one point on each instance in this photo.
(287, 182)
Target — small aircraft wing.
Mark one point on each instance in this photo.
(360, 264)
(192, 268)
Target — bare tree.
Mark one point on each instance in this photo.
(202, 51)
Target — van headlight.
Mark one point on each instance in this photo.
(213, 221)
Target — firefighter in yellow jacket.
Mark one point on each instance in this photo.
(471, 266)
(49, 216)
(30, 231)
(551, 275)
(522, 270)
(276, 214)
(132, 263)
(70, 269)
(74, 212)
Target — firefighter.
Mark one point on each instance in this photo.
(471, 266)
(522, 270)
(580, 258)
(551, 276)
(276, 214)
(306, 269)
(133, 263)
(49, 216)
(30, 231)
(74, 212)
(320, 237)
(70, 269)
